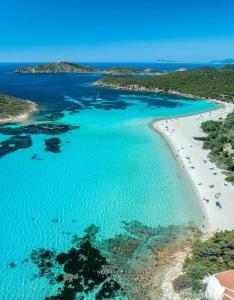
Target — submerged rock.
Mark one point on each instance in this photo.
(14, 143)
(118, 266)
(79, 270)
(53, 145)
(12, 265)
(44, 128)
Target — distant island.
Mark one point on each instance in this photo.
(122, 71)
(207, 83)
(131, 71)
(57, 67)
(67, 67)
(14, 109)
(165, 61)
(224, 61)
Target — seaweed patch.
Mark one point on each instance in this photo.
(77, 271)
(19, 140)
(15, 143)
(53, 144)
(44, 128)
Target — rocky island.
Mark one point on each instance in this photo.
(131, 71)
(67, 67)
(14, 109)
(58, 67)
(122, 71)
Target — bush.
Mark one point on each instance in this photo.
(211, 256)
(209, 126)
(230, 178)
(220, 138)
(183, 282)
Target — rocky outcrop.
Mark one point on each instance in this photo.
(14, 109)
(53, 144)
(58, 67)
(14, 143)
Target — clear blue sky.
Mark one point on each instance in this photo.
(116, 30)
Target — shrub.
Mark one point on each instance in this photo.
(211, 256)
(230, 178)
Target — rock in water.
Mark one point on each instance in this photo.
(53, 144)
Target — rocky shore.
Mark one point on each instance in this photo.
(13, 110)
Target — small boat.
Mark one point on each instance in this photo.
(98, 98)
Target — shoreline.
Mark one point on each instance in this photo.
(23, 116)
(143, 89)
(178, 133)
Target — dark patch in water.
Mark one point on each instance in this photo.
(45, 128)
(108, 290)
(55, 220)
(35, 157)
(53, 145)
(19, 142)
(79, 270)
(15, 143)
(12, 265)
(107, 268)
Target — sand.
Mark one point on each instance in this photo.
(179, 133)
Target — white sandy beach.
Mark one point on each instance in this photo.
(179, 133)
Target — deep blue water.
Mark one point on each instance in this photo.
(113, 169)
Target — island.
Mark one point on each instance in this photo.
(14, 109)
(132, 71)
(58, 67)
(68, 67)
(223, 61)
(203, 83)
(123, 71)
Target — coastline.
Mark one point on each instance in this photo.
(178, 133)
(33, 107)
(140, 89)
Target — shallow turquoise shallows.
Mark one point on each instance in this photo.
(114, 168)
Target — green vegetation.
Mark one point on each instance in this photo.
(220, 140)
(208, 257)
(205, 82)
(123, 71)
(230, 178)
(11, 107)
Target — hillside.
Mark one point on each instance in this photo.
(122, 71)
(131, 71)
(11, 107)
(207, 82)
(58, 67)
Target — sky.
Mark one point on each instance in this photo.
(116, 30)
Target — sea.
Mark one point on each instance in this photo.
(112, 169)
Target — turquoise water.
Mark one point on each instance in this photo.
(115, 168)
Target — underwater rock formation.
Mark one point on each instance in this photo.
(14, 143)
(80, 270)
(104, 269)
(53, 144)
(44, 128)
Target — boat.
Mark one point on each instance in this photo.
(98, 98)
